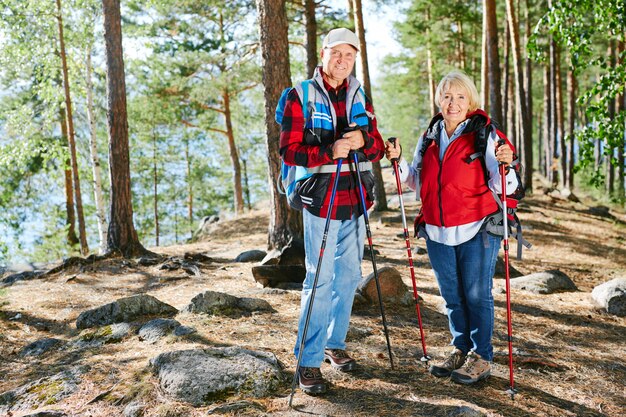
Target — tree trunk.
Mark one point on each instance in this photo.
(560, 122)
(234, 154)
(379, 184)
(95, 158)
(72, 239)
(621, 107)
(527, 149)
(429, 64)
(610, 151)
(547, 122)
(461, 49)
(554, 142)
(285, 223)
(155, 186)
(506, 103)
(189, 189)
(571, 118)
(122, 234)
(520, 97)
(84, 248)
(484, 64)
(310, 27)
(493, 62)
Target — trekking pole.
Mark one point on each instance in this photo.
(317, 275)
(394, 161)
(505, 223)
(355, 157)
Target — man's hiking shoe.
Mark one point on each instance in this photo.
(339, 359)
(473, 370)
(451, 363)
(311, 381)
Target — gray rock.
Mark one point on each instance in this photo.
(611, 296)
(111, 333)
(123, 310)
(202, 376)
(254, 255)
(465, 411)
(44, 391)
(20, 276)
(234, 407)
(184, 331)
(212, 302)
(155, 329)
(40, 346)
(358, 333)
(134, 409)
(50, 413)
(546, 282)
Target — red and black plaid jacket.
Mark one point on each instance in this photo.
(294, 151)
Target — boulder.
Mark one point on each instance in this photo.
(218, 303)
(111, 333)
(43, 391)
(124, 310)
(155, 329)
(611, 296)
(254, 255)
(546, 282)
(392, 288)
(41, 346)
(203, 376)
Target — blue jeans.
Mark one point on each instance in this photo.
(465, 277)
(340, 274)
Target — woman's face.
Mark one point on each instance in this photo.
(454, 105)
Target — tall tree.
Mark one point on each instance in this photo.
(78, 199)
(310, 34)
(285, 223)
(122, 234)
(571, 122)
(380, 195)
(95, 158)
(492, 91)
(520, 96)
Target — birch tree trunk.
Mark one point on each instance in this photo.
(95, 158)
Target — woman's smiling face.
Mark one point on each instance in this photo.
(455, 102)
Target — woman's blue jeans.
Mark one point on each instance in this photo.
(339, 276)
(465, 277)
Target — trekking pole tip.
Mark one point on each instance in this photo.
(512, 391)
(425, 358)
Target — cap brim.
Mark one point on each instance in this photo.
(333, 44)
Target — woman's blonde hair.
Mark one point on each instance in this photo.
(459, 79)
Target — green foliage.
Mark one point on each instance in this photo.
(586, 28)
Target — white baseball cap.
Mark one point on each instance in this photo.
(340, 35)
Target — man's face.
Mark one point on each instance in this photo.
(338, 61)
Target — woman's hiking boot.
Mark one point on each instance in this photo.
(473, 370)
(311, 381)
(449, 364)
(339, 359)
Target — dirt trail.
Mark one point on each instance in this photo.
(570, 355)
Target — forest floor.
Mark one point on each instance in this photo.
(570, 356)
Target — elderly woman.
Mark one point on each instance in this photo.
(457, 197)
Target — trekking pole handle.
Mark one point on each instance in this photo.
(393, 140)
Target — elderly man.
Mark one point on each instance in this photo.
(340, 119)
